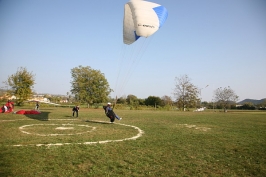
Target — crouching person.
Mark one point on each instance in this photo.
(75, 110)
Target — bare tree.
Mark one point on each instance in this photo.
(185, 92)
(167, 100)
(225, 96)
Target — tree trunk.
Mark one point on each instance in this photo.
(225, 109)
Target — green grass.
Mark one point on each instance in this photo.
(173, 144)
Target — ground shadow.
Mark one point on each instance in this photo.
(98, 122)
(46, 109)
(43, 116)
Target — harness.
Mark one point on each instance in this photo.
(110, 114)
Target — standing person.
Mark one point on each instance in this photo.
(76, 110)
(37, 106)
(110, 113)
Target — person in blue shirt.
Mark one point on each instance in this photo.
(110, 113)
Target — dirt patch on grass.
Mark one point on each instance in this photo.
(195, 127)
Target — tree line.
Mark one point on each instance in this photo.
(89, 86)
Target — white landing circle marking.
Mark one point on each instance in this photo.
(140, 133)
(63, 127)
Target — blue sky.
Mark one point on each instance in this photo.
(217, 43)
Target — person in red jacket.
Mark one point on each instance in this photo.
(10, 106)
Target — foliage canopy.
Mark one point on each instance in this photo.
(21, 85)
(153, 101)
(89, 85)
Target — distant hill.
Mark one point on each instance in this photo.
(255, 102)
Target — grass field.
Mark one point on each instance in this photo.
(144, 143)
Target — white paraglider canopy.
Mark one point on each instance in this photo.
(142, 19)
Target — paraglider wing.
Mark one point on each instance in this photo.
(142, 19)
(129, 32)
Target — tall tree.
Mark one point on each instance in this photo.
(131, 99)
(225, 96)
(153, 101)
(185, 92)
(21, 85)
(122, 100)
(89, 85)
(166, 100)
